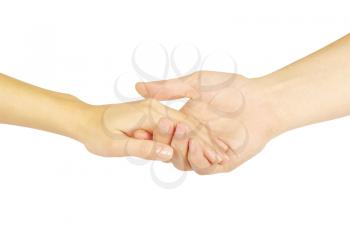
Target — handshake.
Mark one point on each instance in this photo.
(227, 119)
(225, 122)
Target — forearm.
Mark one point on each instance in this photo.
(313, 89)
(26, 105)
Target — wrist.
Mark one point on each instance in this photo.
(77, 117)
(282, 95)
(89, 122)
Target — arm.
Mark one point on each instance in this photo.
(245, 113)
(26, 105)
(313, 89)
(106, 130)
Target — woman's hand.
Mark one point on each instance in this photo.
(107, 130)
(127, 129)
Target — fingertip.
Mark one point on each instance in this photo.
(213, 157)
(142, 135)
(141, 88)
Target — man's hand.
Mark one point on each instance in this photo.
(234, 108)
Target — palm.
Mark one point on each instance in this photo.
(230, 105)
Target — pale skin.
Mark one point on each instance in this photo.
(106, 130)
(244, 114)
(228, 119)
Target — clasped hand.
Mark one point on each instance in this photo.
(224, 123)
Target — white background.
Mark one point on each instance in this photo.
(300, 181)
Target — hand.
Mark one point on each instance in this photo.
(186, 143)
(116, 130)
(107, 130)
(234, 108)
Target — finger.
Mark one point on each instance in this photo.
(196, 157)
(169, 89)
(146, 149)
(142, 135)
(140, 115)
(164, 131)
(202, 166)
(213, 157)
(199, 163)
(236, 139)
(216, 157)
(180, 145)
(155, 111)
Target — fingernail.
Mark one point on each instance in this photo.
(165, 153)
(180, 131)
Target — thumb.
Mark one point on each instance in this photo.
(170, 89)
(146, 149)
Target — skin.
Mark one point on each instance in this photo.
(243, 114)
(228, 119)
(106, 130)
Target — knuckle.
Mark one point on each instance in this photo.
(146, 150)
(153, 104)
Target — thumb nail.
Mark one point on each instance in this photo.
(164, 152)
